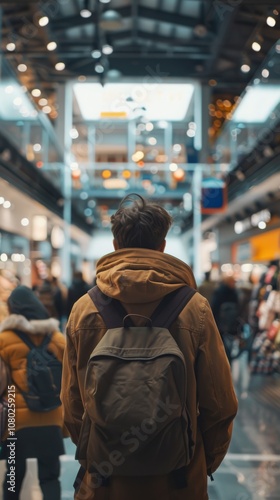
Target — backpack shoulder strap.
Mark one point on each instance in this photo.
(171, 305)
(25, 338)
(167, 311)
(111, 310)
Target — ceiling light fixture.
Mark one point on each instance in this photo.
(11, 46)
(96, 54)
(51, 46)
(245, 64)
(107, 49)
(270, 21)
(257, 43)
(110, 20)
(99, 68)
(85, 12)
(104, 1)
(36, 92)
(256, 46)
(114, 74)
(245, 68)
(43, 21)
(43, 101)
(22, 68)
(60, 66)
(46, 109)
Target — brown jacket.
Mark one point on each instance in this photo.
(14, 352)
(140, 278)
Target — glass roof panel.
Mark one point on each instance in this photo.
(257, 104)
(157, 101)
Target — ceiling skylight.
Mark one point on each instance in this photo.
(257, 104)
(128, 100)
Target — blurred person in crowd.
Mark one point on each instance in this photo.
(269, 279)
(254, 301)
(77, 288)
(37, 434)
(63, 301)
(8, 282)
(240, 365)
(51, 297)
(225, 308)
(139, 275)
(207, 287)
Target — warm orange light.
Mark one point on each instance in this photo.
(76, 173)
(39, 164)
(141, 164)
(113, 114)
(161, 158)
(126, 174)
(106, 174)
(179, 175)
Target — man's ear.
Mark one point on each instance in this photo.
(115, 244)
(162, 246)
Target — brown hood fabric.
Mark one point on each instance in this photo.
(134, 276)
(140, 278)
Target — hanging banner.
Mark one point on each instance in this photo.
(213, 196)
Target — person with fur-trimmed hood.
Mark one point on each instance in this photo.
(38, 434)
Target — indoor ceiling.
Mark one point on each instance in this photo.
(202, 40)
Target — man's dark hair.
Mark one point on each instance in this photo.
(139, 223)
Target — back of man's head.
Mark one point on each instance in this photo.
(139, 223)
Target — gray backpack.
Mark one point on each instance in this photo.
(136, 419)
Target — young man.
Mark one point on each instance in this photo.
(140, 275)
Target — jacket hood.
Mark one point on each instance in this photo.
(34, 327)
(23, 301)
(139, 275)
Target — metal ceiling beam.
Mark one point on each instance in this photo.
(102, 194)
(134, 13)
(223, 30)
(194, 44)
(127, 12)
(77, 48)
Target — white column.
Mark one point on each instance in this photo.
(63, 127)
(201, 143)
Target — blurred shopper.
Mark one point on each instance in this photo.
(266, 345)
(254, 301)
(78, 288)
(139, 275)
(207, 287)
(8, 282)
(240, 365)
(38, 434)
(51, 297)
(225, 308)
